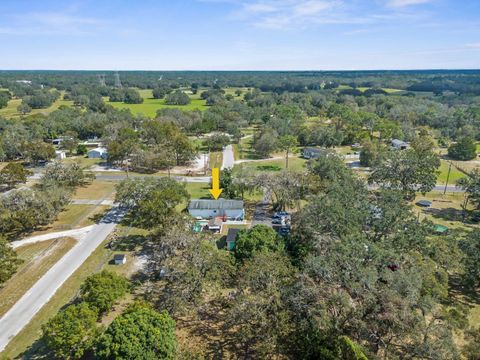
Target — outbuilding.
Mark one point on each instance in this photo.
(399, 144)
(209, 209)
(119, 259)
(60, 154)
(314, 153)
(97, 153)
(232, 238)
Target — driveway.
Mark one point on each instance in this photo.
(39, 294)
(228, 158)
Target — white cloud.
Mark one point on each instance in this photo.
(405, 3)
(286, 14)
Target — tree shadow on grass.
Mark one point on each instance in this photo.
(210, 328)
(458, 293)
(447, 214)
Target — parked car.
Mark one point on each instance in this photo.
(284, 231)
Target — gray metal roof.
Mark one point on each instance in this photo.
(315, 150)
(397, 142)
(232, 234)
(225, 204)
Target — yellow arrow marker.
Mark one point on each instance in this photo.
(215, 190)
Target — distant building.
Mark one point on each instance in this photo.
(209, 209)
(119, 259)
(314, 153)
(60, 154)
(231, 238)
(98, 153)
(399, 144)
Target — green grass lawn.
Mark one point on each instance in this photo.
(11, 109)
(198, 190)
(294, 163)
(455, 174)
(150, 106)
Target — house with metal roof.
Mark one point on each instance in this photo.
(209, 209)
(314, 153)
(98, 153)
(399, 144)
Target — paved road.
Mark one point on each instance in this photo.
(120, 177)
(39, 294)
(228, 158)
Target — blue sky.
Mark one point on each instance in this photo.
(239, 34)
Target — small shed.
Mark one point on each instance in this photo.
(97, 153)
(60, 154)
(119, 259)
(440, 229)
(399, 144)
(231, 238)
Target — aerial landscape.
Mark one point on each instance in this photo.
(240, 179)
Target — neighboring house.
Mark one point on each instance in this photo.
(231, 238)
(314, 153)
(399, 144)
(209, 209)
(119, 259)
(60, 154)
(98, 153)
(57, 141)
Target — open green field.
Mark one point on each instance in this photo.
(363, 89)
(455, 174)
(150, 105)
(294, 163)
(11, 109)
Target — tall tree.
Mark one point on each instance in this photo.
(71, 332)
(13, 174)
(287, 143)
(407, 170)
(139, 333)
(8, 261)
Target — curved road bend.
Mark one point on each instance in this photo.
(39, 294)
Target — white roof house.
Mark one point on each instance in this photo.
(98, 153)
(209, 209)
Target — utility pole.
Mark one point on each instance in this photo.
(448, 178)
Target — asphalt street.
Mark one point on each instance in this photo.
(39, 294)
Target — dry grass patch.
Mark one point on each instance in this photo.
(96, 190)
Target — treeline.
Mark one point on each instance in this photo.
(463, 81)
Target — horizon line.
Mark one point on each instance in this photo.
(248, 70)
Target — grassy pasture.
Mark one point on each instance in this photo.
(455, 174)
(150, 105)
(11, 110)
